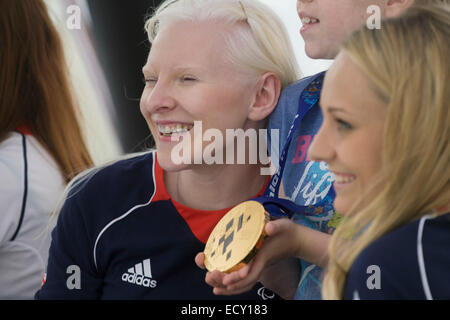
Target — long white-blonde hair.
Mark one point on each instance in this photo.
(407, 63)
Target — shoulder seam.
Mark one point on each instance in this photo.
(421, 260)
(126, 213)
(25, 187)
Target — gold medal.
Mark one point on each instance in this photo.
(237, 237)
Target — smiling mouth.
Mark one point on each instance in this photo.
(343, 178)
(174, 129)
(309, 20)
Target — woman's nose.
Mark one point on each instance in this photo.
(157, 98)
(321, 148)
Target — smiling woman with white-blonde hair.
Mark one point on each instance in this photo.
(132, 228)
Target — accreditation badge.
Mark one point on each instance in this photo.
(237, 237)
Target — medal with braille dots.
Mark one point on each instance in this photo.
(237, 237)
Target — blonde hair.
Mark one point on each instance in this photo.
(407, 64)
(258, 43)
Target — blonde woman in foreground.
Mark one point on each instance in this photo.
(387, 144)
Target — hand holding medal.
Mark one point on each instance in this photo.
(239, 235)
(229, 248)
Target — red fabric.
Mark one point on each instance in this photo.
(24, 130)
(200, 222)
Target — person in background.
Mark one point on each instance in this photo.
(41, 142)
(388, 145)
(131, 229)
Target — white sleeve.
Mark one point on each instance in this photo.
(11, 195)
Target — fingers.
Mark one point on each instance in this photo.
(200, 260)
(276, 226)
(228, 292)
(236, 282)
(236, 276)
(223, 280)
(215, 279)
(233, 283)
(244, 279)
(271, 228)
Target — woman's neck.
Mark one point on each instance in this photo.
(215, 187)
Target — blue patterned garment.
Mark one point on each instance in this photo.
(305, 182)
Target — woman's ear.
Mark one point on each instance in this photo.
(396, 7)
(267, 95)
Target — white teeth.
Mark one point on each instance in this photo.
(343, 179)
(308, 20)
(178, 128)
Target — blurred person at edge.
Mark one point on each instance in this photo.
(41, 143)
(388, 144)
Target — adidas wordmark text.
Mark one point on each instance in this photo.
(140, 274)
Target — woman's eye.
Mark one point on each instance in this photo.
(343, 125)
(149, 81)
(188, 79)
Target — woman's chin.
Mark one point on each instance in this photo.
(341, 206)
(168, 164)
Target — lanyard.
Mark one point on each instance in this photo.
(282, 207)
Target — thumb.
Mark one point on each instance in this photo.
(277, 226)
(200, 260)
